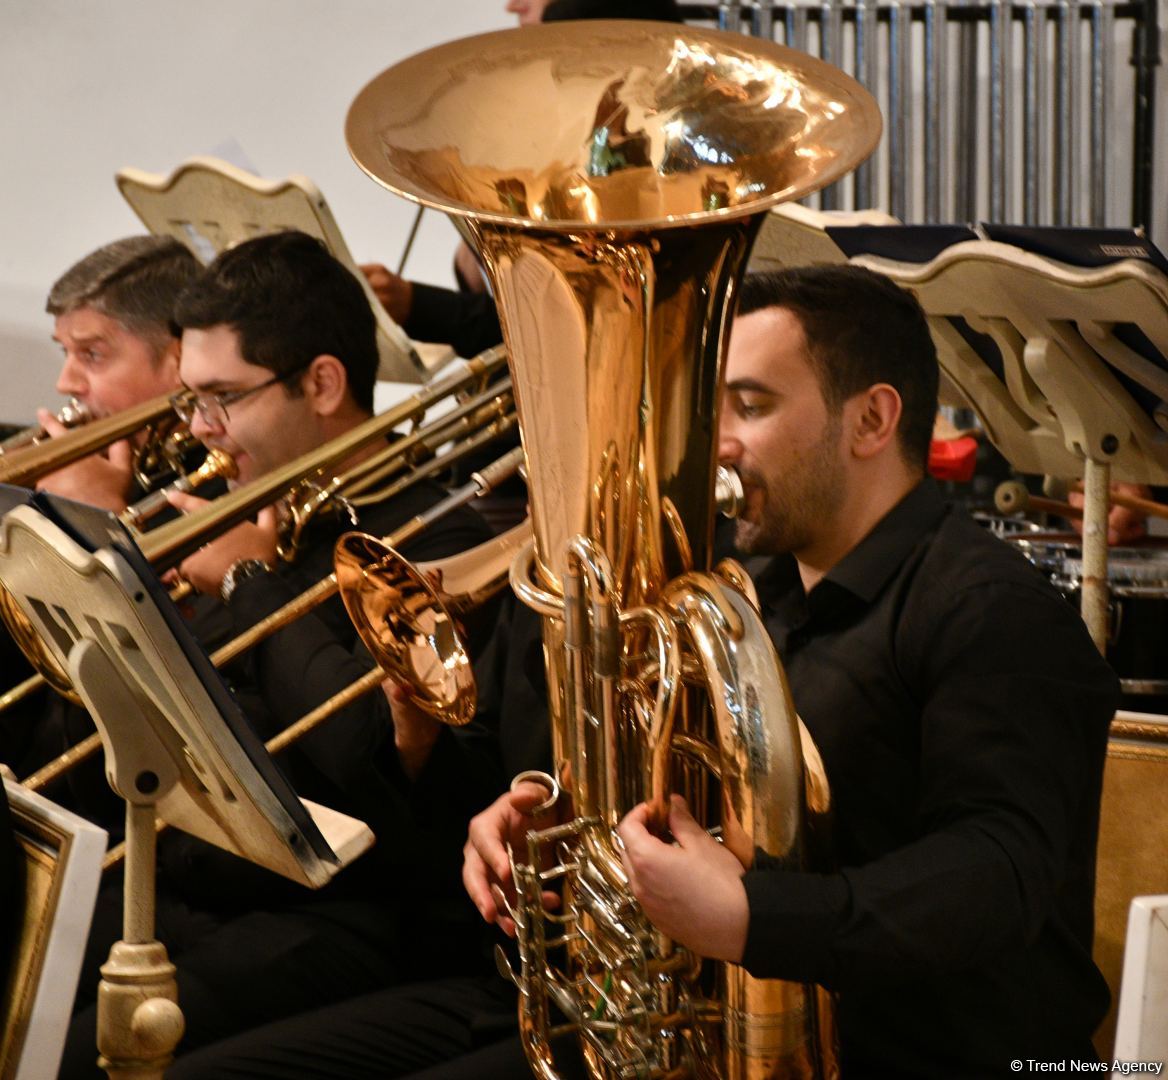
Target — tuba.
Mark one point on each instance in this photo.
(612, 176)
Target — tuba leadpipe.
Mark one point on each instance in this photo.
(482, 482)
(72, 414)
(614, 251)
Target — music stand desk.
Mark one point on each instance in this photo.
(176, 744)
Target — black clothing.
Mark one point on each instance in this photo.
(962, 714)
(396, 1031)
(661, 10)
(251, 946)
(466, 321)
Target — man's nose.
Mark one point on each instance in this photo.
(200, 429)
(71, 379)
(729, 445)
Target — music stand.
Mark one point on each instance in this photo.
(177, 747)
(1065, 366)
(210, 205)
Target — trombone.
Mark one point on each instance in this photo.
(485, 416)
(485, 413)
(217, 464)
(27, 464)
(434, 591)
(72, 414)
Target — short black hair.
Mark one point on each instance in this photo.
(662, 10)
(289, 301)
(861, 329)
(135, 281)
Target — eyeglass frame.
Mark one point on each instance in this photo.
(186, 402)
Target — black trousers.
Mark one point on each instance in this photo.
(449, 1029)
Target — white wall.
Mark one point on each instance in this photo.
(89, 86)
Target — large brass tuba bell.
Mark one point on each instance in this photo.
(612, 176)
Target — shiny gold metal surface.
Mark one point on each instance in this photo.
(72, 414)
(407, 614)
(218, 464)
(610, 125)
(28, 464)
(481, 483)
(612, 176)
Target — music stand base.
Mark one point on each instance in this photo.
(138, 1019)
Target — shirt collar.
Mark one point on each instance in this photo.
(865, 569)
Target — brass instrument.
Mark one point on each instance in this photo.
(458, 583)
(72, 414)
(614, 241)
(217, 464)
(476, 420)
(25, 466)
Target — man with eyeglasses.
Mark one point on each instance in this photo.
(279, 357)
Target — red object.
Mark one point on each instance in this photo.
(953, 459)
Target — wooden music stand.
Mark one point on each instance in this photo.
(177, 748)
(1037, 348)
(1043, 352)
(794, 235)
(211, 205)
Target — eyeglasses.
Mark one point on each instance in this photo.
(213, 407)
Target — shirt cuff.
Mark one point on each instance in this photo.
(793, 919)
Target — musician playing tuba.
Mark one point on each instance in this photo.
(959, 706)
(279, 353)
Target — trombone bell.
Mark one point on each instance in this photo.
(406, 626)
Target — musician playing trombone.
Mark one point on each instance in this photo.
(111, 314)
(279, 356)
(112, 320)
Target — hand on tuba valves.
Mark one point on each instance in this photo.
(691, 890)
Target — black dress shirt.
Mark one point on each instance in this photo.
(962, 714)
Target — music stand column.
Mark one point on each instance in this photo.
(1096, 596)
(139, 1023)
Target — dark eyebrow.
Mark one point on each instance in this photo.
(215, 386)
(752, 386)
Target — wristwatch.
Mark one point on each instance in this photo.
(238, 571)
